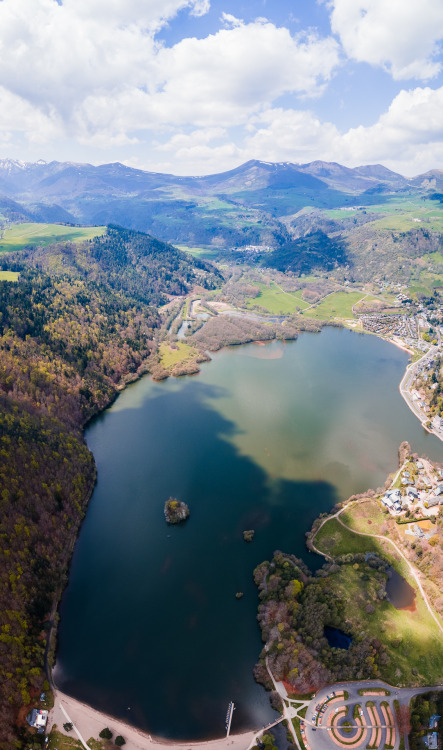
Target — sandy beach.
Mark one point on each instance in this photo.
(88, 723)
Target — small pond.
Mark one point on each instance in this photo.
(399, 592)
(336, 638)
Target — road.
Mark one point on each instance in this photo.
(406, 383)
(322, 740)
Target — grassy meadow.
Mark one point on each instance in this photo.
(199, 252)
(276, 301)
(365, 516)
(335, 540)
(9, 276)
(412, 638)
(336, 305)
(18, 236)
(170, 357)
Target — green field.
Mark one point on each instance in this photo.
(435, 257)
(398, 214)
(412, 638)
(170, 357)
(18, 236)
(9, 276)
(340, 213)
(403, 215)
(366, 516)
(335, 540)
(408, 221)
(336, 305)
(60, 741)
(431, 280)
(199, 252)
(416, 288)
(274, 300)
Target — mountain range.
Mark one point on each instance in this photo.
(246, 205)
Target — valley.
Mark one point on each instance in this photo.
(269, 254)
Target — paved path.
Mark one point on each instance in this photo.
(412, 569)
(416, 574)
(286, 713)
(377, 720)
(405, 385)
(88, 722)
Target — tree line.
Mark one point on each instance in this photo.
(79, 324)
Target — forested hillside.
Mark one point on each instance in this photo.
(78, 325)
(295, 609)
(314, 251)
(129, 262)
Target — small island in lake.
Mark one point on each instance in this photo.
(176, 511)
(248, 535)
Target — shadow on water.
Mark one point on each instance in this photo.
(150, 628)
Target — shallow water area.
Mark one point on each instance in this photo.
(399, 592)
(150, 629)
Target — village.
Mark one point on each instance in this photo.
(408, 328)
(415, 494)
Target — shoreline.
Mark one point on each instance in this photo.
(88, 723)
(88, 719)
(405, 393)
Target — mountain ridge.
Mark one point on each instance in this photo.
(247, 205)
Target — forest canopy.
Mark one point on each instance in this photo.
(77, 326)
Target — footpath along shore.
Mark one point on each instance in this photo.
(405, 390)
(88, 723)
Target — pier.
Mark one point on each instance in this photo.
(231, 709)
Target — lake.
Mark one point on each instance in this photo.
(265, 438)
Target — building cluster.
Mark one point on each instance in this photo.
(420, 492)
(404, 326)
(437, 424)
(253, 249)
(38, 718)
(431, 739)
(421, 394)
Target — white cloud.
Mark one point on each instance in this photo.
(290, 135)
(96, 68)
(190, 140)
(409, 135)
(407, 138)
(238, 70)
(402, 36)
(150, 14)
(210, 147)
(18, 115)
(230, 21)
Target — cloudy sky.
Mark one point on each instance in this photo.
(200, 86)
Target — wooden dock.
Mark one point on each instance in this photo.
(231, 709)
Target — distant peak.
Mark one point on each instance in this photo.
(9, 164)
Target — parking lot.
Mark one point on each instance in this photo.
(352, 717)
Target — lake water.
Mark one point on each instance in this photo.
(265, 438)
(337, 638)
(399, 592)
